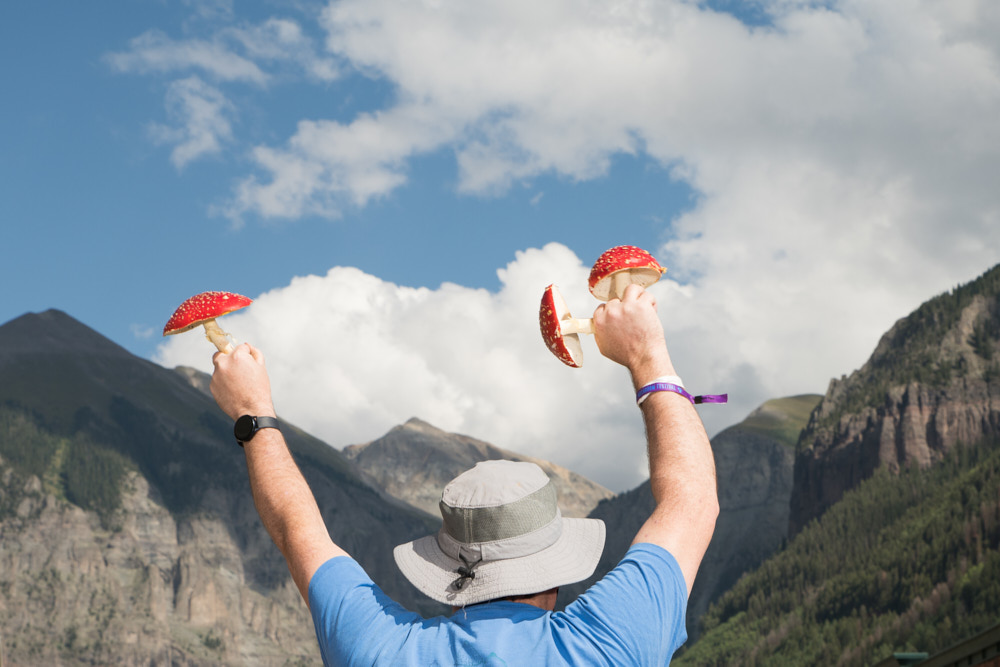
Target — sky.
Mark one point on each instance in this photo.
(395, 184)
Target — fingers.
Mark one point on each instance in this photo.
(257, 355)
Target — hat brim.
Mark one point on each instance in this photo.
(571, 558)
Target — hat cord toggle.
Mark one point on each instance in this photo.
(465, 572)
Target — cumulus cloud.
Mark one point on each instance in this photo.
(329, 166)
(829, 149)
(200, 114)
(351, 356)
(843, 156)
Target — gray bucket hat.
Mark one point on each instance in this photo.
(502, 534)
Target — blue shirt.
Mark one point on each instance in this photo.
(633, 616)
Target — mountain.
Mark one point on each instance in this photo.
(932, 383)
(904, 562)
(127, 529)
(754, 461)
(894, 540)
(414, 462)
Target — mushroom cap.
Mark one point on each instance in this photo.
(643, 269)
(203, 307)
(553, 310)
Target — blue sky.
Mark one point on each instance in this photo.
(809, 172)
(111, 232)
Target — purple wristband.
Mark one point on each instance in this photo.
(677, 389)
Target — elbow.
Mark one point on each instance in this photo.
(708, 511)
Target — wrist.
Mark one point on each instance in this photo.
(648, 370)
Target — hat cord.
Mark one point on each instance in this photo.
(465, 572)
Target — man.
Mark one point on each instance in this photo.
(503, 549)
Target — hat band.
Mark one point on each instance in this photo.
(511, 547)
(473, 525)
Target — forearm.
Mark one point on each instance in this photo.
(681, 471)
(287, 508)
(283, 499)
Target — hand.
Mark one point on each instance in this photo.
(628, 331)
(240, 384)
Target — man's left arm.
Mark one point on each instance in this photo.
(281, 495)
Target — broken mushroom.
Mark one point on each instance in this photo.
(620, 267)
(560, 329)
(203, 309)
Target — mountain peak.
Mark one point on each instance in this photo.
(418, 424)
(53, 330)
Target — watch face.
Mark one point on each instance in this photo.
(244, 428)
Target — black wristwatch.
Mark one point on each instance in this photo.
(246, 427)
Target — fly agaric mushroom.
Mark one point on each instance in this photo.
(203, 309)
(560, 329)
(620, 267)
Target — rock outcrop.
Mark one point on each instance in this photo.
(932, 383)
(415, 460)
(152, 590)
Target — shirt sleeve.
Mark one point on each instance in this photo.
(355, 621)
(636, 613)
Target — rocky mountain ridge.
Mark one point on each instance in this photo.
(414, 461)
(932, 383)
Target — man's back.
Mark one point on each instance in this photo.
(634, 616)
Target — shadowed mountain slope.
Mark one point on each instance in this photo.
(127, 528)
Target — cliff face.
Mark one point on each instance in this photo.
(414, 461)
(128, 533)
(932, 383)
(152, 590)
(754, 462)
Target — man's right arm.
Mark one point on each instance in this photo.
(681, 464)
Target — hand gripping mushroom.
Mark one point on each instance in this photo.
(614, 270)
(203, 309)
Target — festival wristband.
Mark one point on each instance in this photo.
(663, 379)
(648, 389)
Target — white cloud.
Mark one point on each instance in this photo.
(277, 40)
(142, 331)
(844, 159)
(351, 356)
(200, 115)
(329, 166)
(154, 51)
(245, 53)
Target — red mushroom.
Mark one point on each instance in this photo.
(560, 329)
(203, 309)
(620, 267)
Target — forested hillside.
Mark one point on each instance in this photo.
(907, 562)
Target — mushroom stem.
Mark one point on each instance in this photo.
(571, 325)
(619, 281)
(219, 338)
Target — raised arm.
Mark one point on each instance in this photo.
(681, 464)
(283, 499)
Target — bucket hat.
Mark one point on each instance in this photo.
(501, 534)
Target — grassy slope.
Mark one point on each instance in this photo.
(782, 418)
